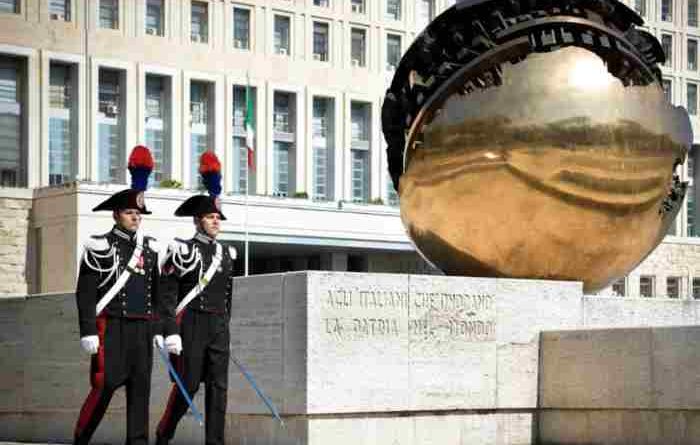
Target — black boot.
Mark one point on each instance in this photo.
(160, 440)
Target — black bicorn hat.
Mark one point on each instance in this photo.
(210, 169)
(140, 167)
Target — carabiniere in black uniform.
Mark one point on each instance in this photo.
(203, 268)
(204, 330)
(125, 327)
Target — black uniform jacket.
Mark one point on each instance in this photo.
(187, 261)
(104, 259)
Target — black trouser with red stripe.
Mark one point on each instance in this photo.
(204, 358)
(125, 357)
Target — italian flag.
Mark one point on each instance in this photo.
(249, 128)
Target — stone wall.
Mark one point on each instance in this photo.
(14, 242)
(620, 386)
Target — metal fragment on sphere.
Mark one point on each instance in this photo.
(544, 148)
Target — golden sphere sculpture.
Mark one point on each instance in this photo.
(532, 139)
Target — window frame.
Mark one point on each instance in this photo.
(692, 108)
(399, 13)
(694, 42)
(117, 15)
(389, 36)
(329, 43)
(66, 14)
(17, 7)
(249, 37)
(652, 286)
(363, 62)
(289, 51)
(669, 55)
(161, 30)
(666, 16)
(693, 24)
(677, 284)
(201, 39)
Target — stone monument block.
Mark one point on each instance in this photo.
(357, 357)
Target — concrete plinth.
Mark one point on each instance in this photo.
(621, 386)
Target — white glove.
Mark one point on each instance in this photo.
(90, 343)
(174, 344)
(158, 341)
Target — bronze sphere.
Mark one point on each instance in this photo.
(535, 143)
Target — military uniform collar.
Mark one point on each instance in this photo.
(204, 238)
(124, 234)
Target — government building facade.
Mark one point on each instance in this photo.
(83, 81)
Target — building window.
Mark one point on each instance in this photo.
(667, 45)
(646, 286)
(158, 126)
(241, 28)
(282, 36)
(111, 150)
(154, 17)
(12, 143)
(62, 112)
(673, 287)
(668, 93)
(322, 141)
(282, 121)
(692, 99)
(10, 6)
(618, 287)
(692, 54)
(283, 143)
(360, 119)
(201, 126)
(280, 159)
(357, 6)
(696, 288)
(59, 10)
(240, 148)
(425, 13)
(360, 175)
(693, 13)
(393, 51)
(199, 24)
(393, 9)
(360, 122)
(321, 3)
(667, 10)
(109, 14)
(321, 41)
(358, 39)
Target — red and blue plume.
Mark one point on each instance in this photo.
(210, 169)
(140, 167)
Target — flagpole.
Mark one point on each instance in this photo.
(245, 223)
(247, 182)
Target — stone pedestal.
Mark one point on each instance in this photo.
(381, 358)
